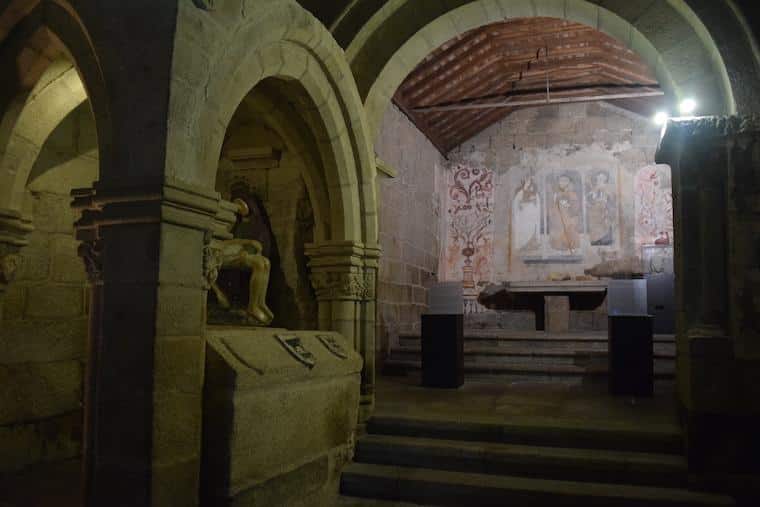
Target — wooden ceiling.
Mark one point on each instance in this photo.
(512, 63)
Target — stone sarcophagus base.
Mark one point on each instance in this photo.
(279, 414)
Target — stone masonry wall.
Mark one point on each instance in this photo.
(409, 220)
(44, 329)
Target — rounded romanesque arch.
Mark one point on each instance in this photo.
(239, 51)
(223, 55)
(668, 36)
(42, 89)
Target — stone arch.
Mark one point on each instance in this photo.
(58, 92)
(57, 88)
(668, 36)
(281, 41)
(294, 131)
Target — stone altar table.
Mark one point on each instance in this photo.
(279, 415)
(551, 300)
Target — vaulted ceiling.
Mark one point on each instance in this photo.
(449, 95)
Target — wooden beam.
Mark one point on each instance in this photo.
(538, 102)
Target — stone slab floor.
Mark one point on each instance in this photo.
(489, 400)
(478, 400)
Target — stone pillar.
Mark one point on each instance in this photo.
(14, 229)
(344, 274)
(715, 185)
(144, 253)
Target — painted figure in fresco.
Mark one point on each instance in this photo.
(526, 218)
(565, 216)
(246, 255)
(600, 207)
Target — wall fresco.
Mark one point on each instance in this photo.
(470, 224)
(653, 206)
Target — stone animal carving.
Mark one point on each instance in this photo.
(246, 255)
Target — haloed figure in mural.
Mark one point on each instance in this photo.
(565, 214)
(526, 218)
(600, 209)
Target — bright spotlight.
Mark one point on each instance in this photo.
(688, 106)
(660, 118)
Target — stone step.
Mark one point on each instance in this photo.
(655, 439)
(527, 370)
(535, 339)
(448, 488)
(558, 354)
(592, 465)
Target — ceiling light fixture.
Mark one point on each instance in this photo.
(661, 118)
(688, 106)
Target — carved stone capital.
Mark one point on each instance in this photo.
(336, 285)
(343, 270)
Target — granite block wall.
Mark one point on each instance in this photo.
(410, 207)
(43, 331)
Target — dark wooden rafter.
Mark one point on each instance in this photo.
(448, 95)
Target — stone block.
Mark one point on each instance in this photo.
(43, 341)
(180, 311)
(52, 213)
(176, 426)
(54, 302)
(182, 256)
(39, 390)
(66, 265)
(35, 264)
(14, 302)
(54, 439)
(178, 363)
(171, 483)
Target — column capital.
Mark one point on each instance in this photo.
(343, 270)
(171, 203)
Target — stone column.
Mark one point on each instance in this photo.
(344, 274)
(711, 233)
(144, 253)
(14, 229)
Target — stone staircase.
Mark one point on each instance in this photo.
(533, 356)
(457, 463)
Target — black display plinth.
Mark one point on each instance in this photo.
(631, 357)
(443, 350)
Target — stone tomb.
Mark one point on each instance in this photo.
(279, 415)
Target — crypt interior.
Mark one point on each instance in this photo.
(379, 253)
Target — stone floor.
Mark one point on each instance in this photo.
(486, 400)
(58, 485)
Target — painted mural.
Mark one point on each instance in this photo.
(601, 208)
(527, 218)
(470, 224)
(653, 206)
(565, 211)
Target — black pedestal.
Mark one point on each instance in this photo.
(443, 350)
(631, 356)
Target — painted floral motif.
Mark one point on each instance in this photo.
(470, 230)
(654, 206)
